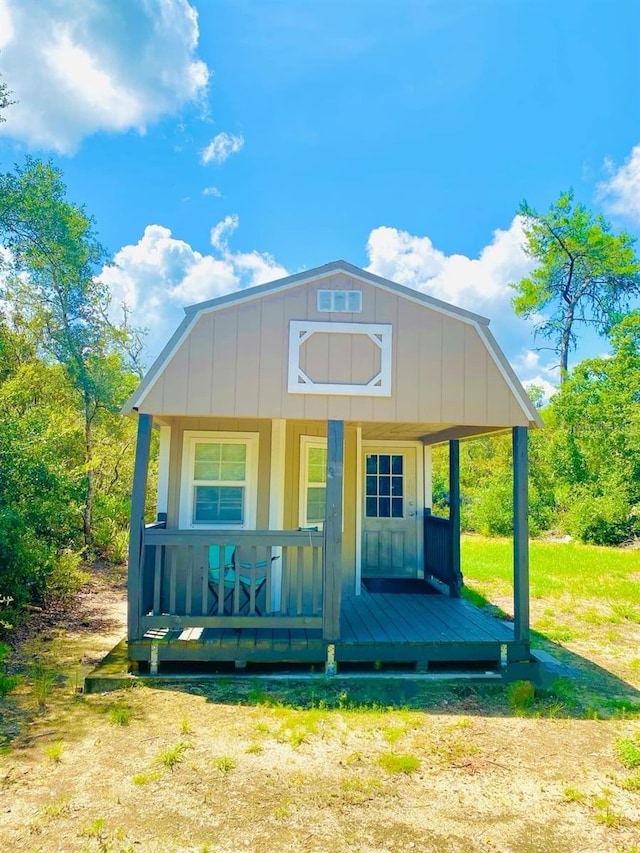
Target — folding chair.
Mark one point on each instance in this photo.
(228, 577)
(258, 570)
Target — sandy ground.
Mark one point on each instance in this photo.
(223, 766)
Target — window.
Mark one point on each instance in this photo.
(313, 482)
(340, 301)
(384, 485)
(219, 480)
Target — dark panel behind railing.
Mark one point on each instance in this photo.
(437, 549)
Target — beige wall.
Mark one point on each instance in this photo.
(294, 430)
(179, 425)
(234, 363)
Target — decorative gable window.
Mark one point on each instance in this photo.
(340, 301)
(219, 479)
(312, 370)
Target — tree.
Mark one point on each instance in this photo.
(584, 274)
(54, 257)
(5, 98)
(595, 442)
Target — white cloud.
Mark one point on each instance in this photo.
(531, 371)
(79, 68)
(620, 194)
(221, 147)
(159, 275)
(214, 191)
(477, 284)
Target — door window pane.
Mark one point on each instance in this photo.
(384, 493)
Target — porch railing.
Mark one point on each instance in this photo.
(438, 551)
(236, 579)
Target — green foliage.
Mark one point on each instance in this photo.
(584, 467)
(486, 485)
(54, 751)
(521, 696)
(65, 578)
(43, 680)
(225, 764)
(54, 289)
(66, 455)
(5, 98)
(120, 715)
(628, 751)
(595, 442)
(584, 273)
(398, 764)
(174, 755)
(7, 682)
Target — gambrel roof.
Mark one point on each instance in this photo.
(437, 348)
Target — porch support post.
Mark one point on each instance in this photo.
(138, 499)
(520, 544)
(454, 518)
(332, 575)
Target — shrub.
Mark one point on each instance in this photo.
(521, 695)
(7, 682)
(601, 519)
(65, 578)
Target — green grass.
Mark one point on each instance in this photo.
(396, 763)
(225, 764)
(557, 569)
(54, 751)
(628, 751)
(173, 756)
(120, 715)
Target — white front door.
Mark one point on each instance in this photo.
(391, 514)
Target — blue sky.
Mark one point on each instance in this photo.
(223, 143)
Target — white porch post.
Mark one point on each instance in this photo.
(162, 494)
(276, 503)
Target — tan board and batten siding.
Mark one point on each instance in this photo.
(234, 363)
(295, 429)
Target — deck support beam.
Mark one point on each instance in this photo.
(521, 541)
(454, 517)
(138, 500)
(332, 575)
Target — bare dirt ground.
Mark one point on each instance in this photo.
(226, 765)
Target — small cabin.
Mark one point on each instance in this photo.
(294, 518)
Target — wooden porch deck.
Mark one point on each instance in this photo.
(385, 627)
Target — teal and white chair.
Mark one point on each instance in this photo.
(228, 577)
(247, 574)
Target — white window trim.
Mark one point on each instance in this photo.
(307, 442)
(164, 454)
(378, 386)
(189, 440)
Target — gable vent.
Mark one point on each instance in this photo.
(340, 301)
